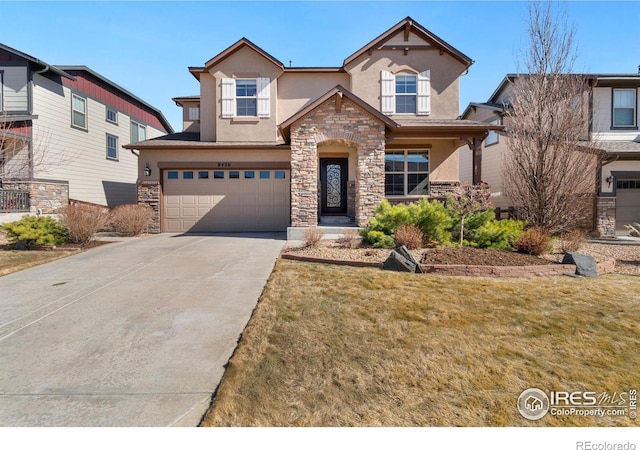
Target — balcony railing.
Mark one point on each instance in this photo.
(14, 201)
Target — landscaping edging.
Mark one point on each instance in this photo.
(607, 266)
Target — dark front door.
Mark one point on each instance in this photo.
(333, 181)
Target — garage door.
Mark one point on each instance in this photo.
(226, 200)
(627, 202)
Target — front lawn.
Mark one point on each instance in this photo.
(342, 346)
(16, 260)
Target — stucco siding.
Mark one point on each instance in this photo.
(80, 156)
(616, 166)
(296, 90)
(365, 77)
(246, 63)
(15, 89)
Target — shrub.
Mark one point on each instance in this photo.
(431, 217)
(130, 219)
(312, 236)
(409, 235)
(573, 240)
(498, 234)
(472, 224)
(83, 221)
(349, 239)
(32, 230)
(534, 241)
(378, 239)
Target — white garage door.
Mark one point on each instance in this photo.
(226, 200)
(627, 203)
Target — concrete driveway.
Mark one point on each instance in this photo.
(133, 333)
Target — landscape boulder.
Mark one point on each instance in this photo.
(400, 260)
(585, 264)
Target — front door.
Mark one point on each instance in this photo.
(333, 181)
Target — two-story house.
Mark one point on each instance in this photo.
(266, 147)
(613, 128)
(62, 129)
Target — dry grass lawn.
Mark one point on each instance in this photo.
(341, 346)
(16, 260)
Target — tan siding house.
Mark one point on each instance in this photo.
(613, 109)
(73, 122)
(277, 147)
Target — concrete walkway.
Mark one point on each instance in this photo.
(132, 333)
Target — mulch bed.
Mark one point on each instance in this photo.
(479, 257)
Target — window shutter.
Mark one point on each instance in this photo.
(264, 105)
(228, 97)
(424, 93)
(387, 83)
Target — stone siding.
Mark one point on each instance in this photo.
(352, 126)
(149, 195)
(45, 196)
(606, 216)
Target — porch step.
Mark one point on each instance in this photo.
(334, 220)
(329, 232)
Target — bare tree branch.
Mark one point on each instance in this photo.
(550, 167)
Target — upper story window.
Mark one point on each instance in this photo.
(406, 172)
(112, 115)
(78, 111)
(245, 97)
(406, 93)
(138, 132)
(193, 113)
(112, 147)
(492, 137)
(624, 107)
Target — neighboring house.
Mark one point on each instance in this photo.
(62, 129)
(613, 110)
(266, 147)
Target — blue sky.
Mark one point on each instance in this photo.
(147, 46)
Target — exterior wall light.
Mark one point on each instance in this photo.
(147, 170)
(609, 180)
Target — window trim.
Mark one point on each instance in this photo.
(85, 113)
(487, 143)
(246, 97)
(634, 126)
(405, 171)
(139, 126)
(401, 94)
(115, 113)
(117, 157)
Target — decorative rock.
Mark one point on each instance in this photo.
(404, 251)
(398, 263)
(585, 264)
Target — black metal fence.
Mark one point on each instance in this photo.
(14, 201)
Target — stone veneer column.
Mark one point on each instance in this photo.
(149, 195)
(606, 216)
(351, 125)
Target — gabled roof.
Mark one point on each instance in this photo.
(342, 92)
(409, 25)
(244, 42)
(108, 82)
(43, 65)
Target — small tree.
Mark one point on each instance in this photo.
(468, 200)
(551, 165)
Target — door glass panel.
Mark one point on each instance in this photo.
(334, 178)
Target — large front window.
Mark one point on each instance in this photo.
(246, 98)
(406, 91)
(406, 172)
(624, 107)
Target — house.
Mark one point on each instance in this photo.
(613, 129)
(61, 134)
(266, 147)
